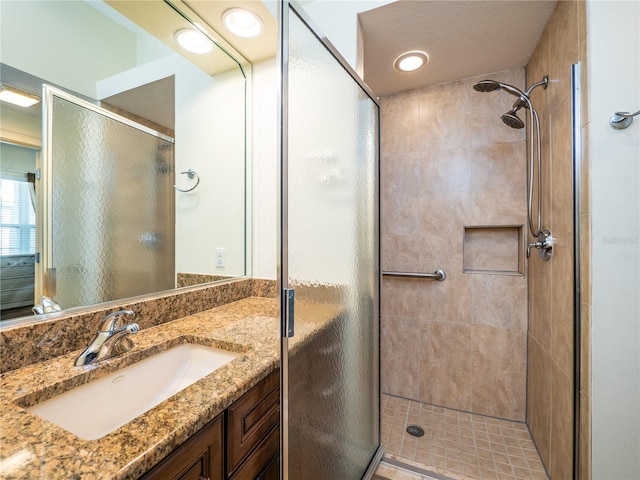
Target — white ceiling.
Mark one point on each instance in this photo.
(462, 38)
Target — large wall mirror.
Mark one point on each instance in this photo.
(128, 176)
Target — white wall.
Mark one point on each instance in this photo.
(17, 159)
(66, 43)
(614, 74)
(19, 128)
(265, 170)
(338, 21)
(210, 138)
(209, 133)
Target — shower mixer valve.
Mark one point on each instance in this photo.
(544, 244)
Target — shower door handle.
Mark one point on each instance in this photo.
(287, 315)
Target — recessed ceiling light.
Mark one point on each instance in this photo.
(193, 41)
(17, 97)
(242, 22)
(410, 61)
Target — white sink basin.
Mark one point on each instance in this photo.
(100, 407)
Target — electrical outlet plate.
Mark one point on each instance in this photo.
(220, 260)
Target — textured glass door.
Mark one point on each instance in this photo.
(330, 260)
(110, 205)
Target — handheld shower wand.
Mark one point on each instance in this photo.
(544, 242)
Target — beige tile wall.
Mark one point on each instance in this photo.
(550, 338)
(448, 161)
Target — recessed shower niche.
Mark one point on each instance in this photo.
(493, 249)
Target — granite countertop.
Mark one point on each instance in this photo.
(34, 448)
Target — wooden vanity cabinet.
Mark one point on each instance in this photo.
(242, 443)
(199, 458)
(252, 433)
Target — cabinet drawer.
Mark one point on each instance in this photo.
(251, 418)
(199, 457)
(262, 463)
(19, 271)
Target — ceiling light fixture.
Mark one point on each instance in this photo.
(17, 97)
(193, 41)
(243, 23)
(410, 61)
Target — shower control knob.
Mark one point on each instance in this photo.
(532, 245)
(544, 244)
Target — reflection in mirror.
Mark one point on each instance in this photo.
(124, 80)
(17, 228)
(117, 176)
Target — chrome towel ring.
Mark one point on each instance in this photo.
(621, 120)
(191, 173)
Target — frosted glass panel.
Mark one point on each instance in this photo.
(332, 263)
(112, 208)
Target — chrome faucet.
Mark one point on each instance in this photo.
(110, 340)
(48, 305)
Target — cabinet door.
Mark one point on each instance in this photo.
(272, 472)
(257, 464)
(198, 458)
(251, 418)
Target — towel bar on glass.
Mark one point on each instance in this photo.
(438, 275)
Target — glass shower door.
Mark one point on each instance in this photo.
(329, 262)
(109, 203)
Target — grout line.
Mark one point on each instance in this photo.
(481, 415)
(460, 440)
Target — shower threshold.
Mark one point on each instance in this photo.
(391, 469)
(457, 445)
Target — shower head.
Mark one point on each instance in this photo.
(512, 120)
(487, 86)
(492, 86)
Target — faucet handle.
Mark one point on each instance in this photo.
(110, 322)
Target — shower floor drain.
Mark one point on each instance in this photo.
(415, 430)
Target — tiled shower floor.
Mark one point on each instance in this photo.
(458, 444)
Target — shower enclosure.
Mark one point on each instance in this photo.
(108, 205)
(488, 361)
(328, 261)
